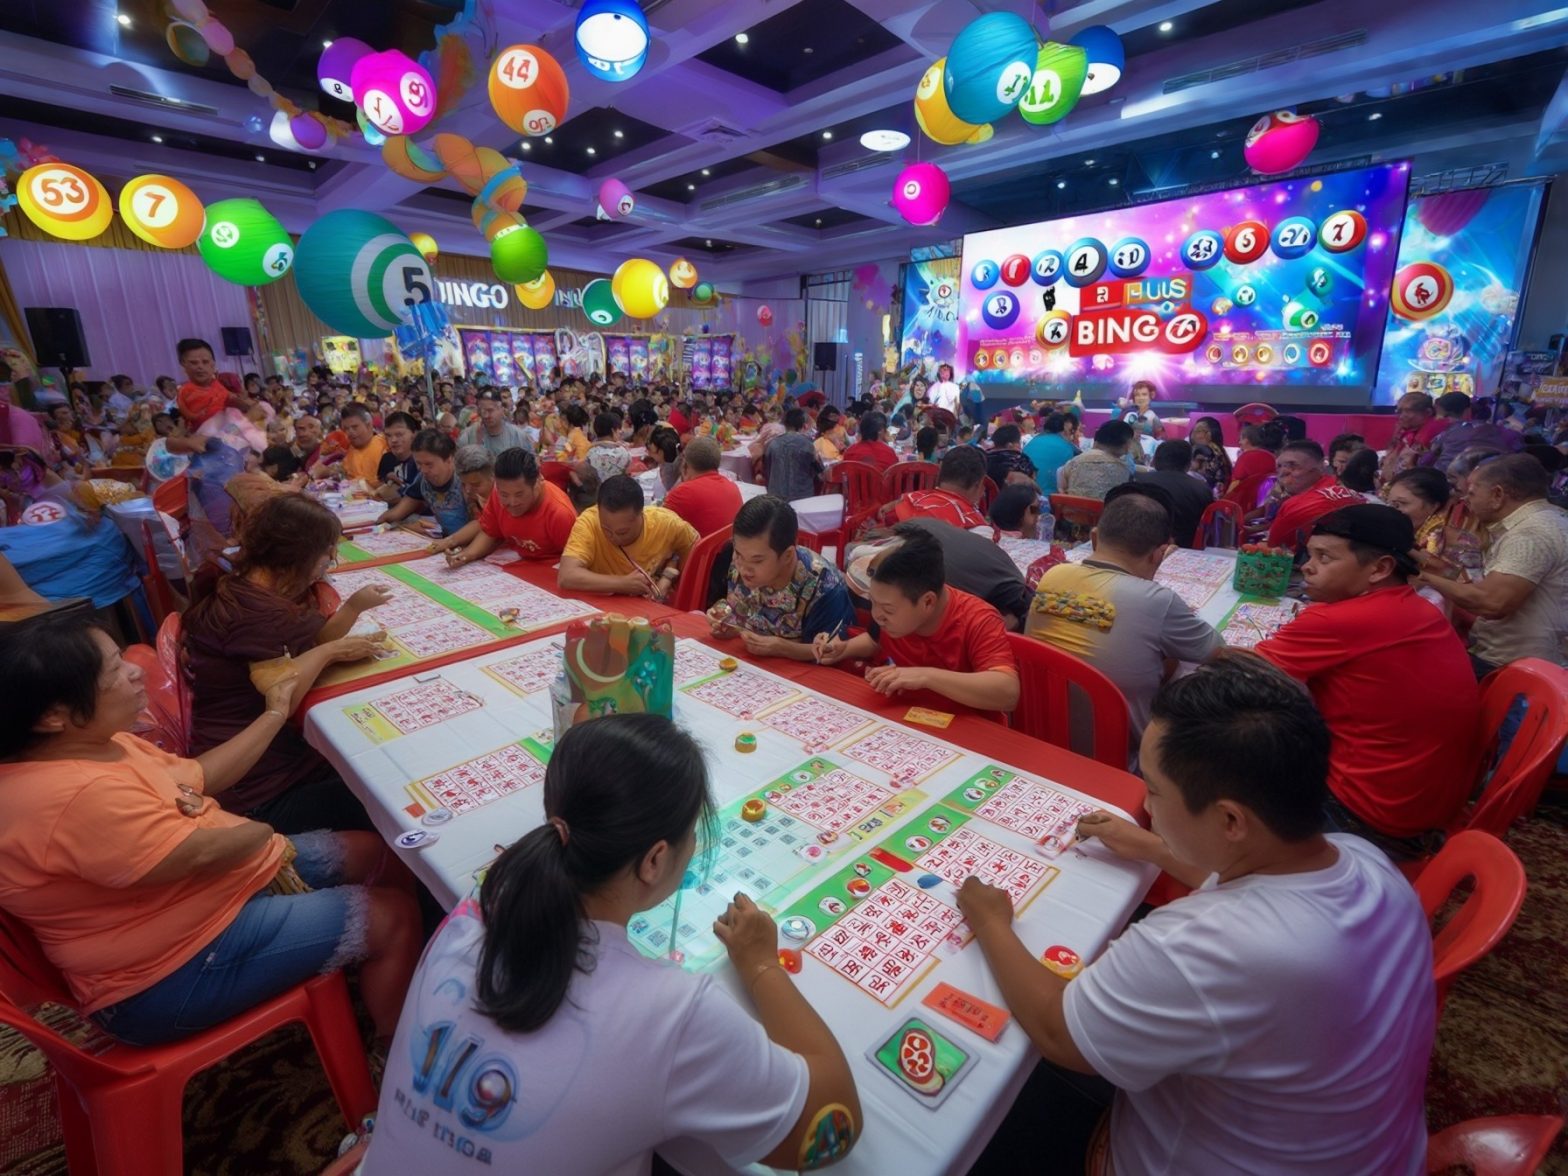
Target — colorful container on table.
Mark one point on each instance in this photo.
(1262, 571)
(614, 665)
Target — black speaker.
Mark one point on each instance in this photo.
(57, 336)
(825, 357)
(236, 341)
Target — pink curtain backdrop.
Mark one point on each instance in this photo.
(135, 306)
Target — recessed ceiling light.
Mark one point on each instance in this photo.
(884, 140)
(1374, 116)
(710, 244)
(1113, 181)
(591, 151)
(691, 187)
(1166, 26)
(706, 172)
(157, 138)
(326, 44)
(741, 38)
(1214, 154)
(549, 139)
(1061, 183)
(620, 135)
(260, 158)
(827, 134)
(819, 220)
(1088, 163)
(808, 49)
(125, 21)
(312, 164)
(526, 145)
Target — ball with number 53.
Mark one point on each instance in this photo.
(64, 201)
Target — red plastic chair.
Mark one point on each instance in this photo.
(1048, 678)
(160, 593)
(988, 492)
(1480, 924)
(1254, 414)
(120, 1104)
(1513, 783)
(173, 497)
(1221, 516)
(1077, 515)
(691, 589)
(171, 657)
(900, 479)
(558, 472)
(1500, 1145)
(159, 723)
(842, 536)
(859, 482)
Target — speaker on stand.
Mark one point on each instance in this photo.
(828, 369)
(57, 340)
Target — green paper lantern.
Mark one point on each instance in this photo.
(599, 303)
(1059, 73)
(703, 293)
(360, 273)
(519, 254)
(243, 243)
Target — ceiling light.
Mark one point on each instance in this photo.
(827, 134)
(326, 44)
(710, 243)
(819, 220)
(1374, 116)
(1088, 163)
(1166, 26)
(549, 140)
(884, 140)
(1113, 181)
(125, 21)
(526, 145)
(260, 158)
(706, 172)
(620, 135)
(741, 38)
(312, 164)
(1214, 154)
(591, 151)
(808, 49)
(157, 138)
(1061, 183)
(691, 187)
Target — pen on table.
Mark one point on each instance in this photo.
(821, 640)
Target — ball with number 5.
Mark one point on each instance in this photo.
(64, 201)
(360, 273)
(162, 211)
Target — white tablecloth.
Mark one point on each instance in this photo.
(825, 512)
(738, 462)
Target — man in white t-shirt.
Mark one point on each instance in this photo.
(1279, 1019)
(944, 393)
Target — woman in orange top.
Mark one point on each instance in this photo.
(166, 914)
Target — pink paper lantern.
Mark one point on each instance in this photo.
(765, 315)
(308, 132)
(395, 92)
(921, 193)
(218, 37)
(615, 201)
(1280, 142)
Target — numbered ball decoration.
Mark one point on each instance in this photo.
(335, 69)
(599, 305)
(1015, 270)
(612, 38)
(186, 42)
(1245, 296)
(1000, 310)
(1054, 329)
(1280, 142)
(243, 243)
(935, 118)
(615, 201)
(1299, 317)
(1421, 290)
(360, 274)
(1129, 257)
(1106, 57)
(395, 92)
(1246, 242)
(1046, 267)
(1202, 249)
(528, 90)
(281, 132)
(1086, 261)
(640, 288)
(921, 192)
(1342, 231)
(1320, 282)
(989, 66)
(1293, 237)
(703, 294)
(1059, 74)
(64, 201)
(308, 131)
(162, 211)
(683, 275)
(983, 274)
(426, 244)
(537, 294)
(519, 254)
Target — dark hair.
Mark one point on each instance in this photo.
(537, 932)
(1520, 475)
(871, 426)
(1173, 455)
(1426, 483)
(1213, 426)
(1271, 436)
(1360, 472)
(434, 441)
(915, 566)
(925, 442)
(1454, 404)
(768, 515)
(828, 416)
(1056, 422)
(1252, 435)
(1350, 441)
(354, 409)
(400, 418)
(282, 457)
(666, 440)
(1113, 435)
(185, 346)
(619, 492)
(517, 463)
(605, 424)
(286, 535)
(962, 466)
(1273, 744)
(1008, 511)
(51, 662)
(1306, 445)
(1006, 435)
(575, 415)
(795, 419)
(1135, 522)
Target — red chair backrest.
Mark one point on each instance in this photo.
(1487, 914)
(159, 722)
(1254, 414)
(558, 472)
(1513, 783)
(173, 497)
(859, 481)
(27, 978)
(988, 492)
(161, 592)
(1048, 678)
(1080, 512)
(900, 479)
(1500, 1145)
(692, 587)
(1222, 521)
(171, 656)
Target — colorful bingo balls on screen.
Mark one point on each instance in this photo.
(1086, 262)
(989, 66)
(936, 119)
(528, 90)
(1246, 242)
(1342, 231)
(519, 254)
(1320, 281)
(162, 211)
(615, 201)
(1299, 317)
(1129, 257)
(1279, 142)
(243, 243)
(983, 275)
(64, 201)
(920, 193)
(612, 38)
(1221, 307)
(642, 291)
(360, 274)
(683, 275)
(1421, 289)
(703, 294)
(1016, 269)
(599, 305)
(1203, 249)
(1000, 309)
(1046, 267)
(1293, 237)
(1054, 329)
(335, 69)
(537, 294)
(395, 92)
(1245, 296)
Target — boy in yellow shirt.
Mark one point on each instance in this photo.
(620, 548)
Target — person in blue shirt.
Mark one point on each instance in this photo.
(436, 491)
(1052, 448)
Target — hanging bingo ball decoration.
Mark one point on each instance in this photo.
(537, 294)
(373, 137)
(360, 274)
(528, 90)
(921, 192)
(935, 118)
(335, 68)
(64, 201)
(1421, 290)
(426, 244)
(162, 211)
(640, 288)
(612, 38)
(519, 254)
(683, 275)
(395, 92)
(411, 161)
(243, 243)
(989, 66)
(765, 315)
(1057, 84)
(1107, 57)
(703, 294)
(615, 201)
(1280, 142)
(599, 305)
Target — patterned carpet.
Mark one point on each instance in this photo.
(1502, 1047)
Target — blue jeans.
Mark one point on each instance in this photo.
(275, 942)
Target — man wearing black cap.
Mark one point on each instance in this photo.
(493, 430)
(1391, 678)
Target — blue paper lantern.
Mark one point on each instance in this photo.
(612, 38)
(1106, 57)
(360, 274)
(990, 66)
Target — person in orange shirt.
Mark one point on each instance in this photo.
(366, 448)
(166, 914)
(206, 392)
(525, 511)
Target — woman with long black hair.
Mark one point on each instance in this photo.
(538, 1037)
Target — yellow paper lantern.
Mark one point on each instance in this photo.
(162, 211)
(641, 290)
(537, 294)
(64, 201)
(426, 244)
(933, 114)
(683, 275)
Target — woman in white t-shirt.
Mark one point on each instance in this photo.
(1139, 411)
(536, 1038)
(945, 393)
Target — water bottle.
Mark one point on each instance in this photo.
(1047, 530)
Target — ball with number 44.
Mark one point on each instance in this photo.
(528, 90)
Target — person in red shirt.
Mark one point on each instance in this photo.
(525, 510)
(680, 418)
(1391, 678)
(871, 449)
(1254, 466)
(704, 497)
(1311, 492)
(1419, 427)
(960, 481)
(933, 640)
